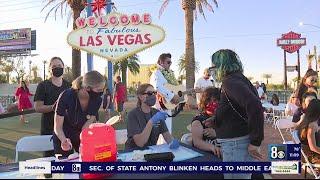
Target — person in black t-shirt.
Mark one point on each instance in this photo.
(46, 96)
(77, 108)
(204, 137)
(107, 103)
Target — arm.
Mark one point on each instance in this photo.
(89, 122)
(167, 137)
(142, 138)
(247, 99)
(58, 127)
(197, 133)
(311, 135)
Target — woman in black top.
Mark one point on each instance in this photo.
(308, 129)
(309, 81)
(77, 108)
(203, 137)
(239, 117)
(46, 97)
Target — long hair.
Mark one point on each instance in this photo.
(90, 79)
(274, 99)
(142, 89)
(312, 114)
(25, 88)
(53, 58)
(226, 62)
(207, 95)
(302, 88)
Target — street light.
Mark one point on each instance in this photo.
(44, 69)
(306, 24)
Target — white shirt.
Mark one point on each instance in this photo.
(291, 107)
(260, 92)
(1, 109)
(157, 80)
(202, 83)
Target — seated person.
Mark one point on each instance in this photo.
(203, 137)
(274, 100)
(145, 123)
(308, 129)
(291, 106)
(76, 109)
(306, 98)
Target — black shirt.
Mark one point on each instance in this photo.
(202, 117)
(137, 121)
(48, 93)
(297, 115)
(244, 98)
(74, 117)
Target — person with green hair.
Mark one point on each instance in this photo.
(239, 117)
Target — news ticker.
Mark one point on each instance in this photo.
(281, 152)
(276, 167)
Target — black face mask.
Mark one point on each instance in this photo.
(94, 95)
(151, 100)
(57, 72)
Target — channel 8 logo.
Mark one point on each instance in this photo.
(277, 151)
(76, 168)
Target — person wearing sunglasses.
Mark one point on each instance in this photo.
(159, 80)
(76, 109)
(309, 81)
(145, 123)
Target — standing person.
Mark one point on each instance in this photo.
(202, 83)
(77, 108)
(46, 97)
(145, 123)
(159, 78)
(259, 90)
(107, 103)
(22, 95)
(239, 117)
(291, 106)
(309, 81)
(119, 97)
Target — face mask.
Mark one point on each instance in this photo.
(94, 95)
(211, 107)
(151, 100)
(57, 72)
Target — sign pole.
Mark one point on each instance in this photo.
(298, 52)
(285, 70)
(110, 65)
(315, 57)
(89, 56)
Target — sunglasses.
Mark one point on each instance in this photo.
(150, 93)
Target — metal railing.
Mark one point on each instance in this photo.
(282, 94)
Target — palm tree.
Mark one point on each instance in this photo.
(76, 8)
(182, 65)
(131, 63)
(189, 7)
(267, 76)
(7, 67)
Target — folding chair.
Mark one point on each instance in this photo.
(278, 113)
(284, 124)
(121, 136)
(34, 144)
(295, 136)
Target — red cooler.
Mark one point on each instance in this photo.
(98, 144)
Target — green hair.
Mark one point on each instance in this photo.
(226, 62)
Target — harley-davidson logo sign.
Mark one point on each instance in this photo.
(115, 36)
(291, 42)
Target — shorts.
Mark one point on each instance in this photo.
(119, 106)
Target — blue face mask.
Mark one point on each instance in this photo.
(151, 100)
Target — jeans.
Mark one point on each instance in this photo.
(236, 150)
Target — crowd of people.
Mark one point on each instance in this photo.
(230, 122)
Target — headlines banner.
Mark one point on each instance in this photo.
(289, 167)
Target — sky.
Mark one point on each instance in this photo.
(249, 27)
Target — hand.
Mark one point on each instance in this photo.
(209, 123)
(174, 144)
(175, 99)
(209, 132)
(216, 151)
(66, 145)
(254, 151)
(159, 116)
